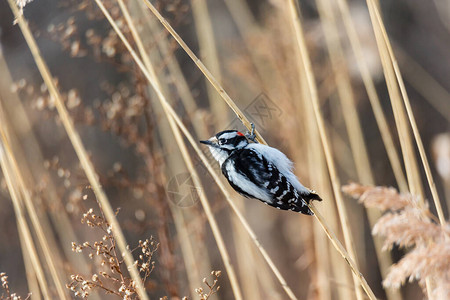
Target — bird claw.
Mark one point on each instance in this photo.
(251, 135)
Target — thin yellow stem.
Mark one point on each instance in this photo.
(296, 23)
(205, 71)
(232, 204)
(21, 221)
(380, 118)
(424, 83)
(204, 201)
(32, 280)
(81, 152)
(30, 161)
(199, 152)
(35, 220)
(353, 124)
(208, 52)
(173, 164)
(186, 132)
(412, 171)
(410, 113)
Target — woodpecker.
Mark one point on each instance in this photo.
(258, 171)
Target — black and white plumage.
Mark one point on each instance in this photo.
(259, 171)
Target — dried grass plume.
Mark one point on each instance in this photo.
(412, 227)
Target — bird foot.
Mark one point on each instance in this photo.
(251, 135)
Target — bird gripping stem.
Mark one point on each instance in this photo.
(251, 135)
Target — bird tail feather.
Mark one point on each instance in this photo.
(312, 196)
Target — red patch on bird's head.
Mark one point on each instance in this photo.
(240, 133)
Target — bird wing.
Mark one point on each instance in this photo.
(263, 181)
(282, 162)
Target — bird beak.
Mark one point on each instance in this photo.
(211, 142)
(207, 142)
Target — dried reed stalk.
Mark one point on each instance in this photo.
(326, 263)
(373, 96)
(353, 124)
(345, 92)
(195, 263)
(267, 73)
(410, 161)
(201, 263)
(230, 102)
(184, 91)
(336, 269)
(246, 260)
(204, 70)
(181, 145)
(208, 52)
(424, 83)
(22, 225)
(74, 137)
(198, 151)
(245, 23)
(50, 257)
(379, 26)
(32, 158)
(32, 280)
(296, 23)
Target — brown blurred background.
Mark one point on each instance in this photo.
(140, 167)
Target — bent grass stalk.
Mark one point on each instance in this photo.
(245, 121)
(407, 103)
(380, 118)
(424, 83)
(266, 70)
(208, 52)
(32, 165)
(318, 174)
(205, 71)
(353, 124)
(296, 23)
(81, 152)
(26, 198)
(20, 217)
(173, 65)
(192, 264)
(395, 82)
(406, 144)
(210, 57)
(32, 281)
(199, 152)
(188, 161)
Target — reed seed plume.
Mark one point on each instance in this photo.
(407, 225)
(383, 198)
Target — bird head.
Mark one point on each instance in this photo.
(224, 143)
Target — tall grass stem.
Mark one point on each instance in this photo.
(296, 23)
(181, 145)
(81, 152)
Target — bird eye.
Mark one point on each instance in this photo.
(222, 141)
